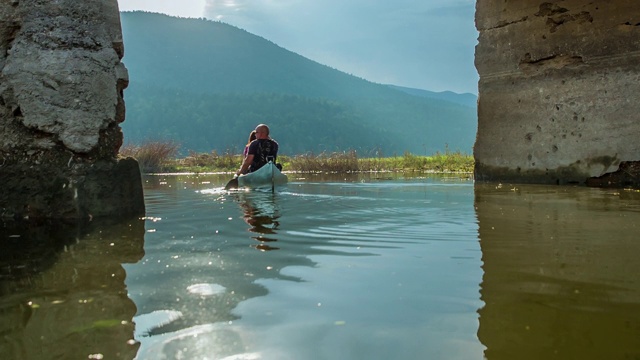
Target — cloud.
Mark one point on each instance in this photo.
(188, 8)
(219, 9)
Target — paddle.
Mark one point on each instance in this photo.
(232, 184)
(271, 161)
(273, 185)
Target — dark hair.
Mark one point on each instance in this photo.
(252, 136)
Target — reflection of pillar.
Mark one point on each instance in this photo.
(67, 299)
(560, 273)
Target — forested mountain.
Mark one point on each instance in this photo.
(206, 84)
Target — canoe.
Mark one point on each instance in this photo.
(265, 177)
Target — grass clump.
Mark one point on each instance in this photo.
(324, 162)
(447, 161)
(152, 156)
(209, 162)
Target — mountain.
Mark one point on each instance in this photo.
(206, 84)
(466, 99)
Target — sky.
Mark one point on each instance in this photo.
(423, 44)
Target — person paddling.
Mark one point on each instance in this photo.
(260, 151)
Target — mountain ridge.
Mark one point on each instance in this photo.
(467, 99)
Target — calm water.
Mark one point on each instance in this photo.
(332, 268)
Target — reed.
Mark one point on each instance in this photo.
(209, 162)
(152, 156)
(160, 156)
(346, 161)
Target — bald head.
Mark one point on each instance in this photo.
(262, 131)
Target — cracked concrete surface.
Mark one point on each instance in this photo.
(557, 91)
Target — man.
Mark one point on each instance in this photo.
(261, 150)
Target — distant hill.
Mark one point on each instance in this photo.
(466, 99)
(206, 84)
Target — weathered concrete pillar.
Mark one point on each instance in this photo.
(61, 88)
(558, 91)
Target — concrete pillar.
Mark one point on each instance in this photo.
(558, 91)
(61, 103)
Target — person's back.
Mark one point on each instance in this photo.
(262, 150)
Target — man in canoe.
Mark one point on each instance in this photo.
(261, 150)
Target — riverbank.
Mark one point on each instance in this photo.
(161, 157)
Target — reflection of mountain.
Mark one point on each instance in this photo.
(560, 269)
(62, 291)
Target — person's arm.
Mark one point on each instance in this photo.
(245, 164)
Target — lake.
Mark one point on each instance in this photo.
(368, 266)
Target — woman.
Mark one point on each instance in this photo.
(252, 136)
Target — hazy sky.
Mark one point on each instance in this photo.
(425, 44)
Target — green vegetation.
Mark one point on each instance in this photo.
(160, 157)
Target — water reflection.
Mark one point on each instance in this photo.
(62, 290)
(261, 213)
(560, 272)
(365, 269)
(198, 249)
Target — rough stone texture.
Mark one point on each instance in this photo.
(61, 102)
(558, 90)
